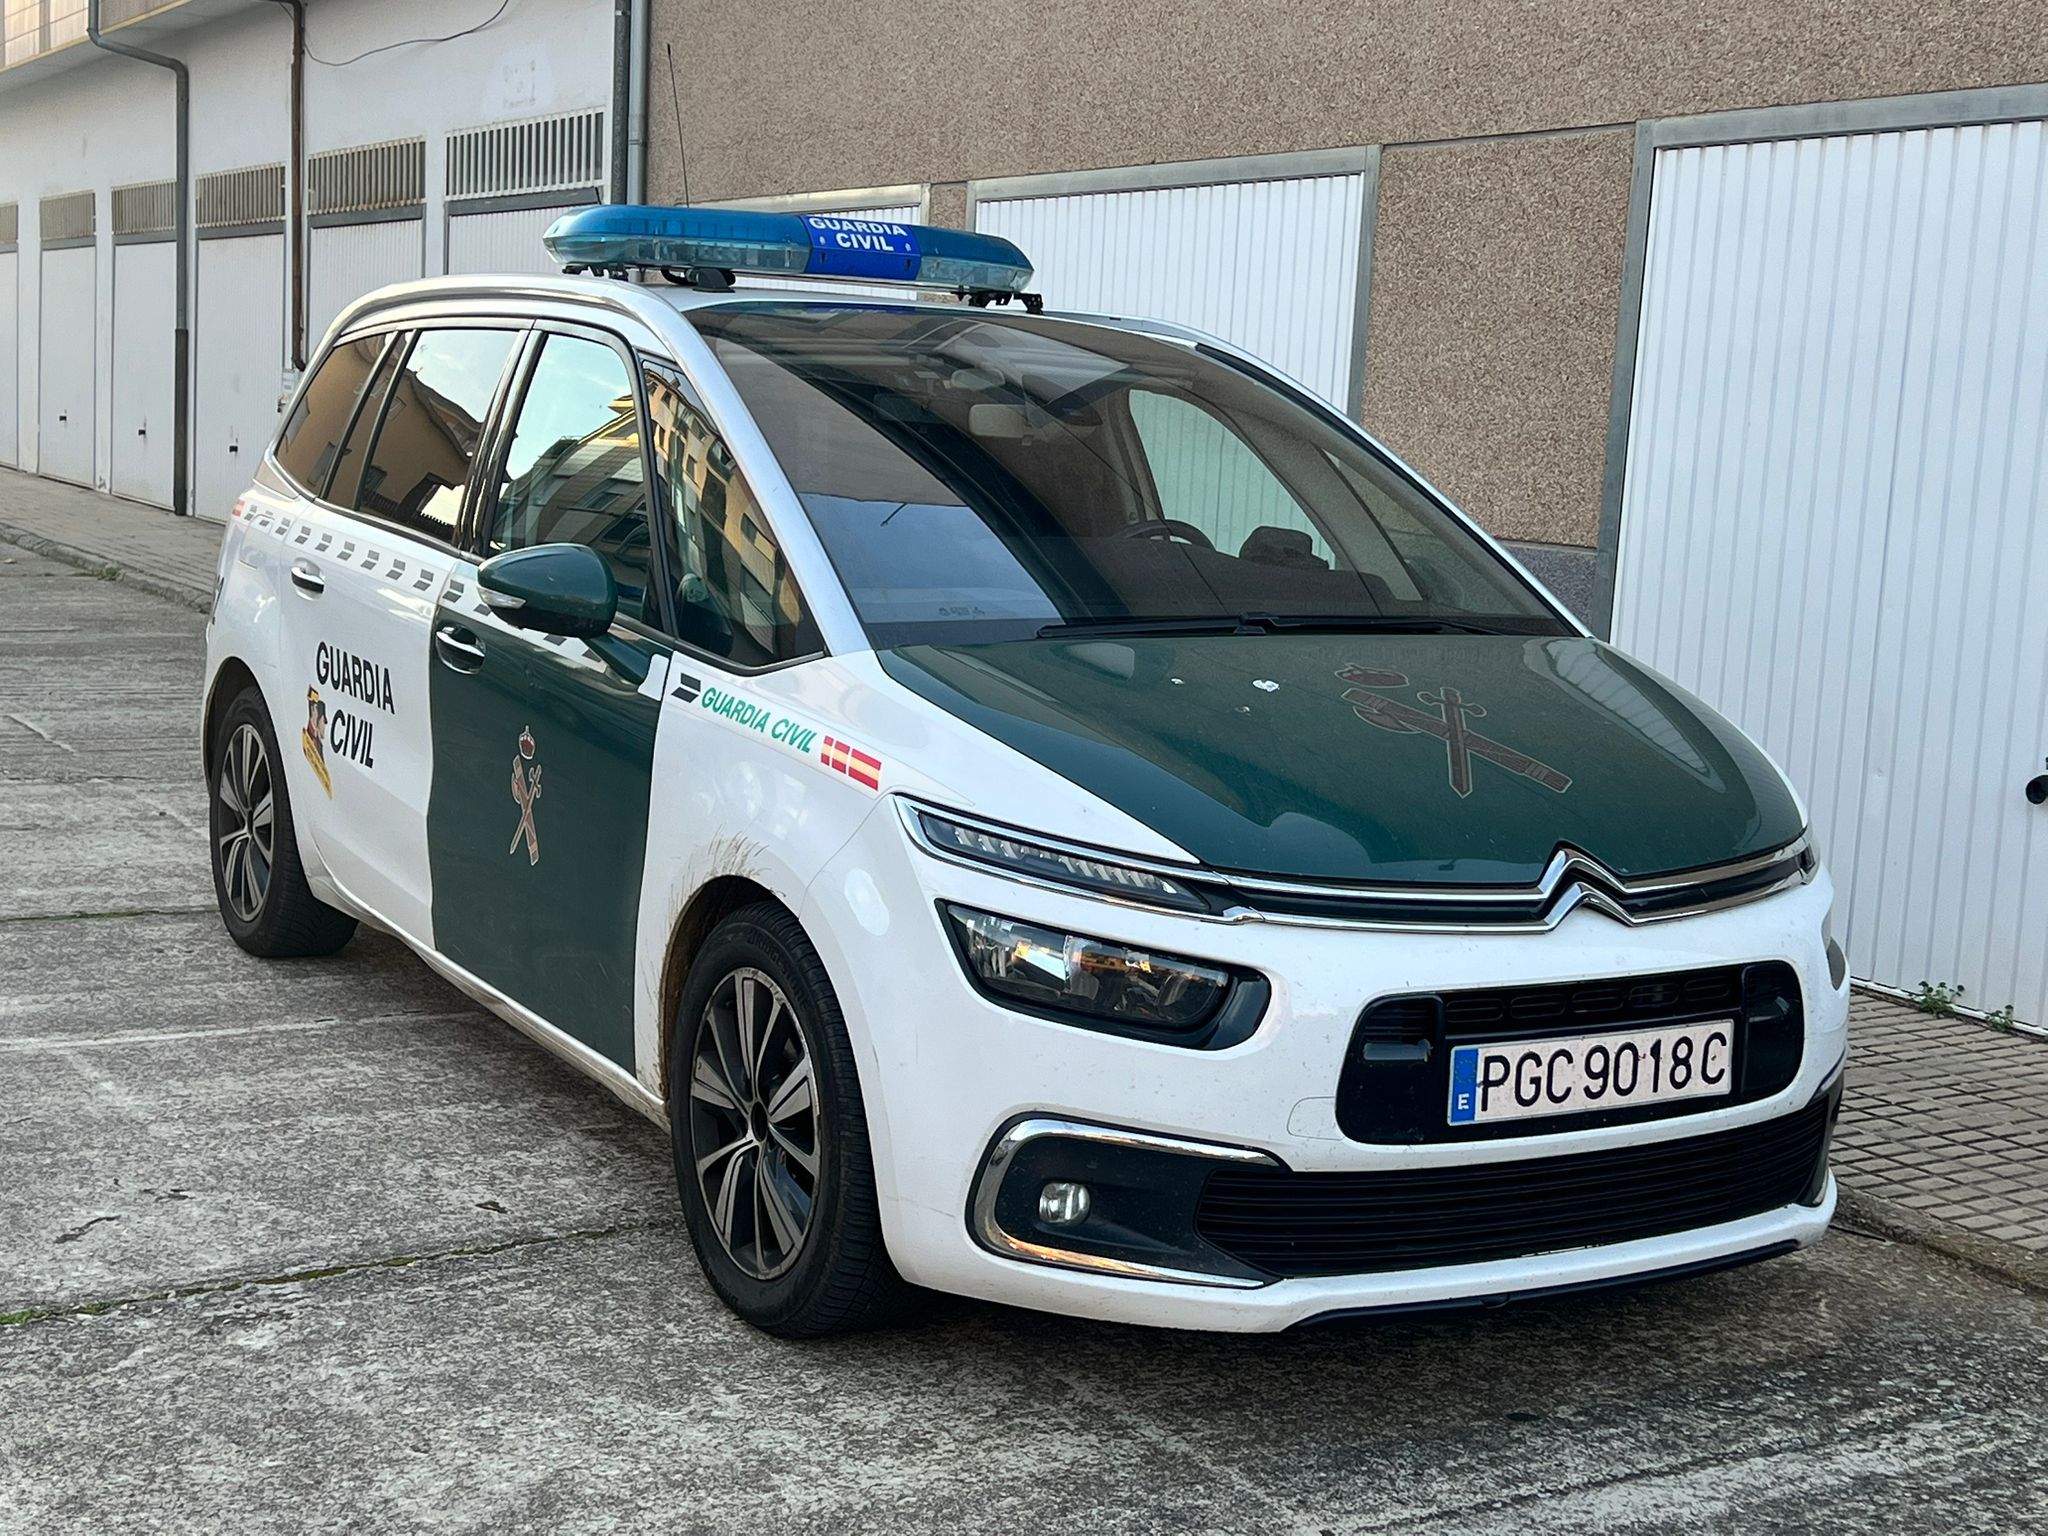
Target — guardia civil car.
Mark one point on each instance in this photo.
(1043, 807)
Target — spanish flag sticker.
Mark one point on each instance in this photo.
(852, 762)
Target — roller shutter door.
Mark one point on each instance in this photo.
(1272, 266)
(10, 358)
(1835, 515)
(145, 298)
(240, 363)
(68, 320)
(346, 261)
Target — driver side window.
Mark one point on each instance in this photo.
(1209, 477)
(574, 472)
(735, 596)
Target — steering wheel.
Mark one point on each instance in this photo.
(1166, 528)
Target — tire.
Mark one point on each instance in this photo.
(259, 884)
(741, 1111)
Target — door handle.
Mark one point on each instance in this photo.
(458, 648)
(307, 578)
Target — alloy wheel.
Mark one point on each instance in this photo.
(246, 828)
(754, 1123)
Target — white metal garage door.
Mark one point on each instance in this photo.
(238, 342)
(65, 372)
(345, 261)
(10, 358)
(1269, 265)
(145, 297)
(505, 241)
(1835, 516)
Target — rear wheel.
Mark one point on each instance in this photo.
(770, 1134)
(258, 881)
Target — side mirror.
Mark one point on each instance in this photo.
(558, 589)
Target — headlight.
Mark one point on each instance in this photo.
(1020, 856)
(1103, 984)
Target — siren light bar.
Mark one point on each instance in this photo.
(705, 246)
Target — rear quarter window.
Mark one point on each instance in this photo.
(311, 440)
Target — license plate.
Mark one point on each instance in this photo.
(1522, 1079)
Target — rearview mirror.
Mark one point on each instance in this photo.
(558, 589)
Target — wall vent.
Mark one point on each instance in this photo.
(145, 208)
(69, 216)
(252, 195)
(10, 223)
(561, 153)
(368, 178)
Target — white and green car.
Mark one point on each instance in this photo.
(1041, 806)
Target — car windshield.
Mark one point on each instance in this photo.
(978, 477)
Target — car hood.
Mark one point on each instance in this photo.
(1445, 759)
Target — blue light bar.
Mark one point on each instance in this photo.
(621, 235)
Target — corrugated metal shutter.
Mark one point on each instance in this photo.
(1835, 515)
(1271, 266)
(10, 357)
(551, 164)
(505, 241)
(345, 261)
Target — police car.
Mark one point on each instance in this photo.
(1041, 806)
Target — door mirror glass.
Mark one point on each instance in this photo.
(557, 589)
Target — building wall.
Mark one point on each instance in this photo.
(107, 121)
(1504, 178)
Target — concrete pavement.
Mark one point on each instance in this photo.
(310, 1245)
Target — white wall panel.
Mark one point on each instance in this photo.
(1271, 266)
(238, 326)
(345, 261)
(68, 327)
(1835, 517)
(10, 358)
(145, 311)
(501, 242)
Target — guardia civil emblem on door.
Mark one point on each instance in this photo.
(526, 790)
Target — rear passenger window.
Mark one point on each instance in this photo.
(574, 473)
(311, 440)
(427, 430)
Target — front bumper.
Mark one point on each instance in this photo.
(946, 1073)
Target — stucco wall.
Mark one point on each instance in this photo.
(1490, 348)
(796, 95)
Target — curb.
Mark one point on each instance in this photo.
(89, 560)
(1887, 1218)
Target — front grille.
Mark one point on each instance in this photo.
(1395, 1084)
(1294, 1224)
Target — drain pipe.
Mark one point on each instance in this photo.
(297, 276)
(636, 109)
(181, 341)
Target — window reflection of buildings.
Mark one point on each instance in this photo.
(716, 517)
(429, 439)
(598, 474)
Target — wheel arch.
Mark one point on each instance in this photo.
(230, 678)
(711, 904)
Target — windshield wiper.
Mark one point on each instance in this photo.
(1270, 623)
(1139, 624)
(1375, 623)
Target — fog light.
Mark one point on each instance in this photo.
(1061, 1204)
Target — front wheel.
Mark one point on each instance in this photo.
(770, 1136)
(257, 879)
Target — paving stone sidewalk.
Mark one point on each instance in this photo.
(173, 557)
(1944, 1131)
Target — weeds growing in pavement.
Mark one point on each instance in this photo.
(1938, 998)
